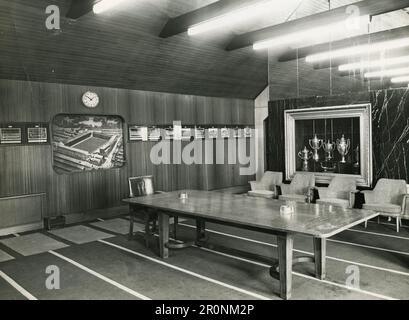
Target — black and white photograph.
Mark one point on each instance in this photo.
(84, 143)
(204, 158)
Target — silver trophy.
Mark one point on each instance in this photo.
(305, 155)
(315, 145)
(343, 146)
(329, 148)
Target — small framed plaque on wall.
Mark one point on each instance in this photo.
(11, 134)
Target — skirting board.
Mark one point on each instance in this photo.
(22, 228)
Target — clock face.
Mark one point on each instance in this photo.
(90, 99)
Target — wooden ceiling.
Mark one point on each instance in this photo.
(122, 48)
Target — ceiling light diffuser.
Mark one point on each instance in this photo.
(400, 79)
(388, 73)
(370, 64)
(313, 34)
(231, 18)
(359, 50)
(105, 5)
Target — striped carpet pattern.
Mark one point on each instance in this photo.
(362, 264)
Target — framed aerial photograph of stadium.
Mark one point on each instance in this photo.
(87, 142)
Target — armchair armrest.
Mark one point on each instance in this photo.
(352, 198)
(404, 200)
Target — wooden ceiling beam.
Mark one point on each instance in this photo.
(366, 7)
(80, 8)
(182, 23)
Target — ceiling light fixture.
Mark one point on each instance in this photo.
(387, 73)
(231, 18)
(359, 50)
(313, 33)
(400, 79)
(370, 64)
(105, 5)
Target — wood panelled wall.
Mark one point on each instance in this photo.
(28, 169)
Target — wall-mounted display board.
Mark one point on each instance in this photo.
(178, 132)
(154, 133)
(11, 135)
(37, 133)
(200, 133)
(24, 134)
(87, 142)
(138, 133)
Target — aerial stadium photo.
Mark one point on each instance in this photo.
(84, 143)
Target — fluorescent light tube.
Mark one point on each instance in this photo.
(316, 33)
(105, 5)
(370, 64)
(359, 50)
(290, 38)
(387, 73)
(400, 79)
(231, 18)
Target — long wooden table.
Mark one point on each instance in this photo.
(258, 214)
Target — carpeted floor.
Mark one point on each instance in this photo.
(97, 261)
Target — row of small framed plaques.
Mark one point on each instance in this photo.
(24, 134)
(187, 133)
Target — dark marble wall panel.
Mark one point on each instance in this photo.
(390, 110)
(390, 127)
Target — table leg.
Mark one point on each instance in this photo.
(131, 222)
(200, 231)
(320, 248)
(285, 264)
(163, 235)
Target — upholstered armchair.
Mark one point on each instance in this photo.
(388, 198)
(267, 186)
(144, 186)
(299, 187)
(340, 192)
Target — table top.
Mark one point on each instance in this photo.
(320, 221)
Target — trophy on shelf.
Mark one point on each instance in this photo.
(315, 145)
(305, 155)
(329, 148)
(343, 146)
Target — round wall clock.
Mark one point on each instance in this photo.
(90, 99)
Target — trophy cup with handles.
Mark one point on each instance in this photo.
(305, 155)
(343, 146)
(328, 164)
(315, 145)
(329, 148)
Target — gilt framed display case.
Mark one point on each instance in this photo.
(330, 141)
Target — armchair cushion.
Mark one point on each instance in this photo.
(262, 194)
(335, 202)
(383, 207)
(269, 181)
(299, 185)
(293, 197)
(387, 191)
